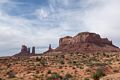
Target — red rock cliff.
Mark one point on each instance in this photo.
(85, 41)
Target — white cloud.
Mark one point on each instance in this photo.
(66, 17)
(100, 16)
(15, 31)
(104, 19)
(42, 13)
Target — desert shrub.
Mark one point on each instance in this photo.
(49, 72)
(38, 59)
(62, 56)
(95, 76)
(11, 74)
(56, 56)
(43, 62)
(74, 62)
(62, 62)
(86, 79)
(73, 68)
(68, 76)
(100, 64)
(37, 71)
(90, 64)
(93, 59)
(62, 71)
(99, 73)
(81, 67)
(60, 67)
(54, 76)
(9, 65)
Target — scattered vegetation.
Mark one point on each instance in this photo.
(71, 66)
(99, 73)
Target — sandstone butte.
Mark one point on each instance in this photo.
(25, 52)
(82, 42)
(86, 42)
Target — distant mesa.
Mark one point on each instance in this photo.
(85, 42)
(82, 42)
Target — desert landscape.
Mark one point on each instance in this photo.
(59, 39)
(85, 56)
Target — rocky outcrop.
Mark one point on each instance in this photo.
(24, 49)
(49, 49)
(86, 42)
(33, 50)
(28, 50)
(25, 52)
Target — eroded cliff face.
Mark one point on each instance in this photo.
(86, 41)
(85, 37)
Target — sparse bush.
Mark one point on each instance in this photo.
(54, 76)
(90, 64)
(49, 72)
(11, 74)
(62, 62)
(62, 71)
(99, 73)
(68, 76)
(43, 62)
(62, 56)
(60, 67)
(95, 76)
(74, 62)
(8, 65)
(38, 59)
(81, 67)
(86, 79)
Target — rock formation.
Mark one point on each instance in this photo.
(49, 49)
(86, 42)
(24, 49)
(25, 52)
(28, 50)
(33, 50)
(82, 42)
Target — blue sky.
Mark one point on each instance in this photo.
(42, 22)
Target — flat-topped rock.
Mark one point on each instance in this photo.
(86, 41)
